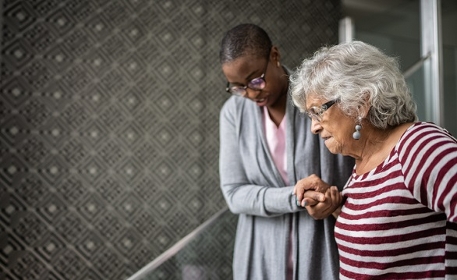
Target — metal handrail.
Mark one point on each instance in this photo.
(416, 66)
(177, 247)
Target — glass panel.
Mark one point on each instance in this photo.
(394, 27)
(416, 84)
(449, 39)
(208, 256)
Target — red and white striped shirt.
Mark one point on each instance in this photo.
(399, 221)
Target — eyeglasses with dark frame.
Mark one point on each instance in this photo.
(255, 84)
(315, 112)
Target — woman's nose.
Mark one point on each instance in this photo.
(315, 126)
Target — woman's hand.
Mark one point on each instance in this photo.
(319, 199)
(314, 188)
(330, 205)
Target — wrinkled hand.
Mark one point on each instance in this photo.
(319, 199)
(314, 183)
(329, 205)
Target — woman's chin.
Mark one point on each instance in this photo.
(330, 144)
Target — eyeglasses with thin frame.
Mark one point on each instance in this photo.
(255, 84)
(316, 113)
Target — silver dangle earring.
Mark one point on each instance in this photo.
(356, 135)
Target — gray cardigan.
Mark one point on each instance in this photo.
(253, 189)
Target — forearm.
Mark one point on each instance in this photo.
(260, 201)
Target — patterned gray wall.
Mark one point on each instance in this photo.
(109, 124)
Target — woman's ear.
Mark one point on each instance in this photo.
(275, 56)
(366, 105)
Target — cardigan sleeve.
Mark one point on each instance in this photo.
(242, 196)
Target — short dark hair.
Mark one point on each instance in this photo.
(244, 39)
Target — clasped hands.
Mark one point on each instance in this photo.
(319, 198)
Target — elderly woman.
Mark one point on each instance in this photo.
(399, 212)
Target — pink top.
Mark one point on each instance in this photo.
(276, 139)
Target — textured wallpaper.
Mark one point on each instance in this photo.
(109, 125)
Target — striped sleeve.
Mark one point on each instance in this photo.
(428, 155)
